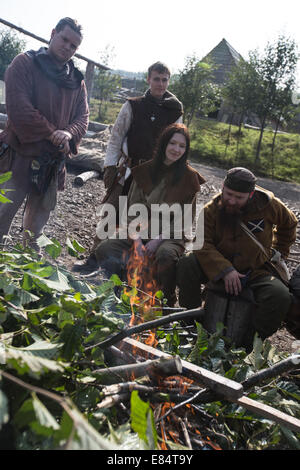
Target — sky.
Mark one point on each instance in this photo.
(141, 32)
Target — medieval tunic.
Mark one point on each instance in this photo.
(272, 223)
(40, 99)
(143, 191)
(37, 106)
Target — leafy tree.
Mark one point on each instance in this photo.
(195, 88)
(277, 68)
(241, 91)
(10, 46)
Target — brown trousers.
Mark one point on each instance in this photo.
(35, 214)
(272, 297)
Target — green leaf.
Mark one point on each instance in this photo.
(87, 438)
(72, 337)
(5, 177)
(33, 359)
(4, 200)
(52, 247)
(142, 421)
(74, 248)
(43, 416)
(290, 437)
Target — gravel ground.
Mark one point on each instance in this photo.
(75, 214)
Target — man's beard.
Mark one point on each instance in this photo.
(230, 218)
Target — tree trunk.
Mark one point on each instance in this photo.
(273, 142)
(228, 135)
(257, 156)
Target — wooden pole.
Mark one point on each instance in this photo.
(228, 388)
(91, 64)
(38, 38)
(89, 79)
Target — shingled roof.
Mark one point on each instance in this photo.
(224, 57)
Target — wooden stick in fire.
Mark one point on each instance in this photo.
(196, 313)
(157, 367)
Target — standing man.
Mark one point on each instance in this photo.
(47, 110)
(133, 139)
(234, 221)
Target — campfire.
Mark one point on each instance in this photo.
(141, 278)
(145, 305)
(175, 388)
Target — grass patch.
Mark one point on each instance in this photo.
(211, 143)
(110, 111)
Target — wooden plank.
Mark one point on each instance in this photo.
(233, 391)
(230, 389)
(270, 413)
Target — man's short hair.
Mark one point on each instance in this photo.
(240, 179)
(159, 67)
(73, 24)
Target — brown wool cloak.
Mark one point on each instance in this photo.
(274, 226)
(36, 107)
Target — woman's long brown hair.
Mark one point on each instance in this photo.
(160, 153)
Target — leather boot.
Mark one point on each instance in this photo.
(86, 266)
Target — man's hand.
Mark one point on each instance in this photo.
(61, 138)
(232, 282)
(110, 173)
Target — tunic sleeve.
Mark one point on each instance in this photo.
(285, 231)
(27, 122)
(118, 135)
(79, 124)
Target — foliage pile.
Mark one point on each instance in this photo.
(48, 388)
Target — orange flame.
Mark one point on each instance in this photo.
(140, 276)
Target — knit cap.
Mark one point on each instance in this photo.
(240, 179)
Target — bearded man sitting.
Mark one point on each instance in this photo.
(243, 225)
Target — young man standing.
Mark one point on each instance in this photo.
(47, 110)
(241, 227)
(134, 135)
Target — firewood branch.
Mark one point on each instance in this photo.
(157, 367)
(292, 362)
(196, 313)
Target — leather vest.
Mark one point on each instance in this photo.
(149, 119)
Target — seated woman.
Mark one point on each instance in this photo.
(166, 179)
